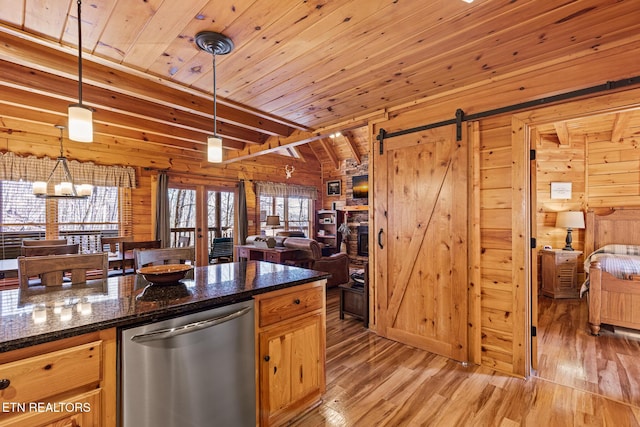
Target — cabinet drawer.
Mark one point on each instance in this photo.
(36, 378)
(243, 253)
(272, 257)
(285, 306)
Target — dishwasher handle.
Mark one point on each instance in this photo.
(188, 328)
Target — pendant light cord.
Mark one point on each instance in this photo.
(79, 53)
(215, 125)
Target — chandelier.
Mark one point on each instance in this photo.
(215, 44)
(80, 116)
(61, 181)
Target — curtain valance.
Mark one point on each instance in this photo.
(278, 189)
(16, 168)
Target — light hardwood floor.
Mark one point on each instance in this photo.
(372, 381)
(608, 365)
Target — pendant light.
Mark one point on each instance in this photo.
(62, 182)
(80, 117)
(215, 44)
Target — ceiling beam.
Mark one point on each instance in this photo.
(298, 137)
(351, 144)
(20, 48)
(620, 125)
(563, 133)
(330, 152)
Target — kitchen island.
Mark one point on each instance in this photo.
(67, 336)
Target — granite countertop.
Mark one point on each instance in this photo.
(42, 314)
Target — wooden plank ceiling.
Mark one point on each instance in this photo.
(300, 70)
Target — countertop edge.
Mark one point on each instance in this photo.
(154, 316)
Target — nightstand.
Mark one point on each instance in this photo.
(560, 273)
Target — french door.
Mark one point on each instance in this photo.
(199, 213)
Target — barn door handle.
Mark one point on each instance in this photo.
(380, 239)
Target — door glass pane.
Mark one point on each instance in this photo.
(182, 215)
(224, 210)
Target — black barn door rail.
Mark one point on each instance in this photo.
(460, 116)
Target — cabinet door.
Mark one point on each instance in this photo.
(81, 410)
(291, 369)
(566, 272)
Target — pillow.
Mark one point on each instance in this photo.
(621, 249)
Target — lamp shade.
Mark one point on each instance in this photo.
(273, 220)
(214, 149)
(570, 219)
(80, 123)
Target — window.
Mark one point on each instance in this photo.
(81, 221)
(294, 213)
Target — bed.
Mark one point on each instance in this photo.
(612, 300)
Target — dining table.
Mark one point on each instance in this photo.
(9, 267)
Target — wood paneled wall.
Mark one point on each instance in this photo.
(148, 161)
(499, 317)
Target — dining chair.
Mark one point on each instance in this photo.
(32, 251)
(114, 243)
(145, 257)
(127, 248)
(44, 242)
(183, 241)
(52, 268)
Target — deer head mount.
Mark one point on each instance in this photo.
(289, 170)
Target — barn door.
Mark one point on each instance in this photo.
(421, 250)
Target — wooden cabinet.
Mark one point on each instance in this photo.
(327, 223)
(67, 382)
(291, 345)
(560, 273)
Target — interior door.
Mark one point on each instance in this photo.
(421, 251)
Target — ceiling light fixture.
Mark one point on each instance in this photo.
(215, 44)
(80, 117)
(62, 182)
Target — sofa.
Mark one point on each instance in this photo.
(310, 256)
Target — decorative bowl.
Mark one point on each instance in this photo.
(167, 274)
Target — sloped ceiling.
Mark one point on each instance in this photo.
(300, 70)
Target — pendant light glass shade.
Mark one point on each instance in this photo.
(80, 123)
(214, 149)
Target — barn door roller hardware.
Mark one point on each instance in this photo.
(460, 116)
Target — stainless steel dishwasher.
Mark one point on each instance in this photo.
(195, 370)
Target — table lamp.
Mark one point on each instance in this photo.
(569, 220)
(273, 221)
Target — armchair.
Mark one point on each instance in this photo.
(310, 256)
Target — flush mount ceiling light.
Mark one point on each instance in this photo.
(61, 181)
(215, 44)
(80, 117)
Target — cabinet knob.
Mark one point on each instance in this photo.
(296, 301)
(267, 358)
(4, 383)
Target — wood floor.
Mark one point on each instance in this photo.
(372, 381)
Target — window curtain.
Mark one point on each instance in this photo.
(16, 168)
(277, 189)
(243, 224)
(163, 226)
